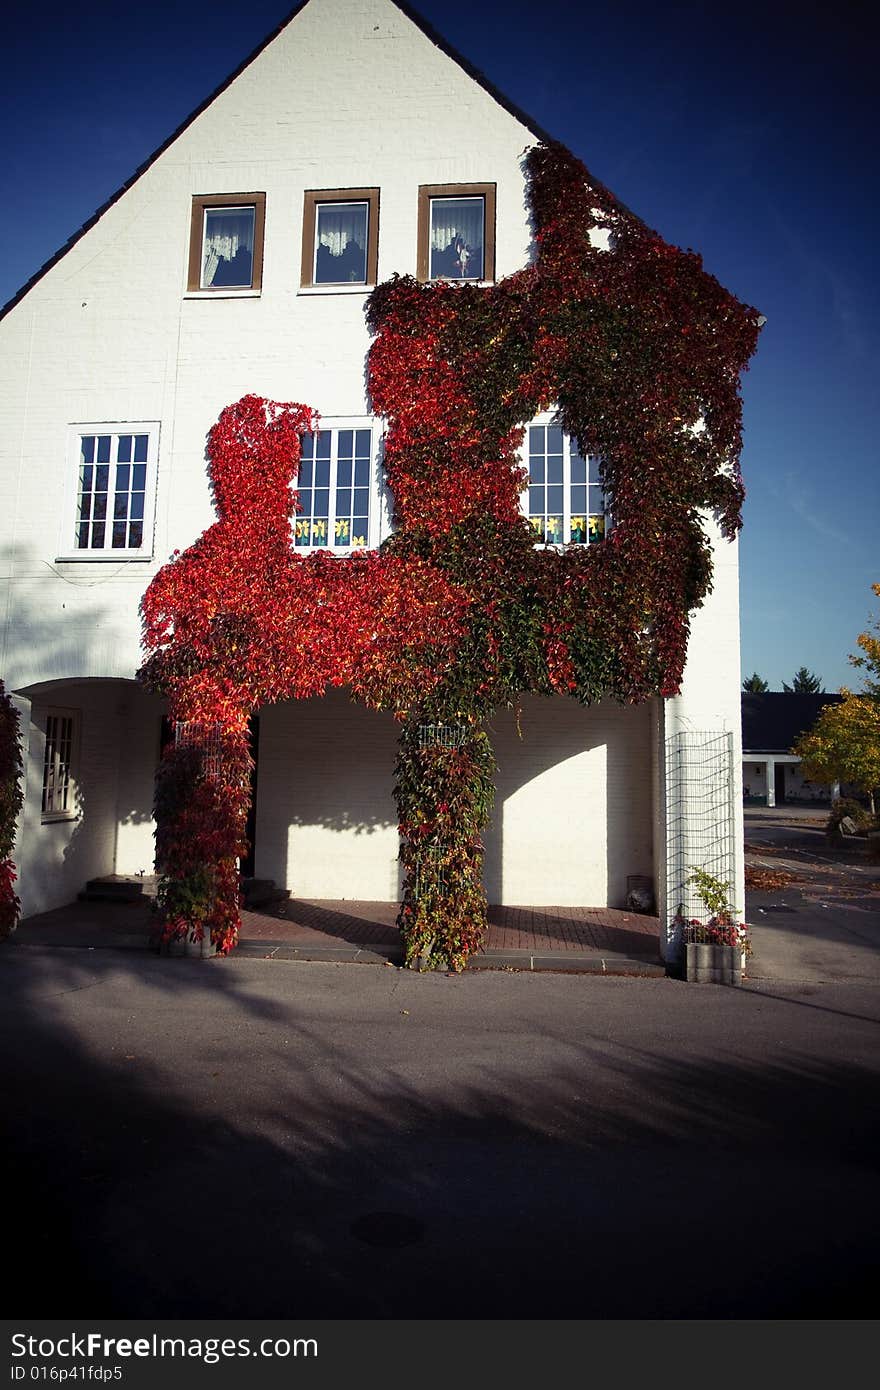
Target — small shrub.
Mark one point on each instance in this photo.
(722, 928)
(716, 933)
(842, 807)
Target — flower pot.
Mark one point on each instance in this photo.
(708, 964)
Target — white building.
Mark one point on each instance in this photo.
(210, 276)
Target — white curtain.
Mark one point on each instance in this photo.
(456, 217)
(340, 223)
(225, 232)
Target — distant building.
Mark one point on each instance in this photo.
(772, 723)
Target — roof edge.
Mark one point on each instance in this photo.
(148, 162)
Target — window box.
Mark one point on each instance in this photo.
(111, 492)
(564, 502)
(456, 232)
(226, 242)
(340, 244)
(59, 759)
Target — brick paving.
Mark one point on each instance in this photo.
(538, 930)
(524, 937)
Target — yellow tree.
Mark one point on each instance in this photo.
(844, 743)
(869, 657)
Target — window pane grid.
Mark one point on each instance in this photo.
(566, 504)
(57, 785)
(334, 487)
(111, 488)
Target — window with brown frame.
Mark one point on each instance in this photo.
(226, 241)
(456, 231)
(340, 243)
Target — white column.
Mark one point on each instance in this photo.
(771, 781)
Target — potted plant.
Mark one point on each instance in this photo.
(715, 950)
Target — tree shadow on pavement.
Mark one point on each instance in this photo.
(184, 1139)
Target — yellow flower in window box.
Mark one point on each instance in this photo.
(537, 524)
(597, 528)
(319, 530)
(342, 532)
(301, 530)
(578, 530)
(359, 540)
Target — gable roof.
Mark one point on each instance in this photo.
(773, 721)
(405, 9)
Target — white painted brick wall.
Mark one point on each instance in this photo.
(572, 816)
(58, 857)
(326, 821)
(710, 693)
(140, 723)
(573, 810)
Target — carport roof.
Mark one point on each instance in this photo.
(773, 721)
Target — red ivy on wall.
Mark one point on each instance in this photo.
(10, 805)
(641, 353)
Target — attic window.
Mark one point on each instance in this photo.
(226, 242)
(340, 237)
(456, 232)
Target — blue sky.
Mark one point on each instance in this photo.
(746, 132)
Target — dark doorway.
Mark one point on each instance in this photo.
(779, 783)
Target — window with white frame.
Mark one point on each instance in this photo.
(112, 486)
(338, 489)
(59, 789)
(565, 502)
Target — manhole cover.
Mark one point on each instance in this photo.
(389, 1229)
(780, 909)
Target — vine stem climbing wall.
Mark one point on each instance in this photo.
(10, 805)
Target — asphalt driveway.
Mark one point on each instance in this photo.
(818, 918)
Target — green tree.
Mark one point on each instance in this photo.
(755, 685)
(804, 682)
(844, 743)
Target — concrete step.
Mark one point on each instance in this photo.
(123, 888)
(119, 888)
